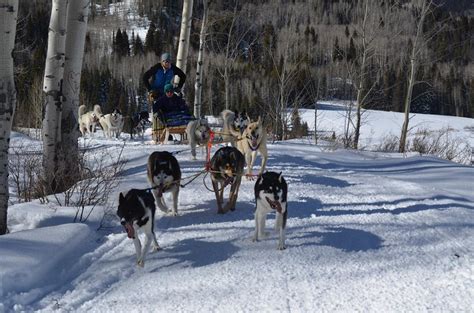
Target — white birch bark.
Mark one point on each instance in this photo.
(418, 42)
(8, 20)
(199, 68)
(77, 17)
(184, 36)
(52, 88)
(365, 50)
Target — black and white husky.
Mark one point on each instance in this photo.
(136, 211)
(164, 175)
(270, 194)
(140, 121)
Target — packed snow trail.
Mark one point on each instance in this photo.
(365, 233)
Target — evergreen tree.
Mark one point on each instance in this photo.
(125, 45)
(351, 52)
(117, 42)
(150, 38)
(138, 48)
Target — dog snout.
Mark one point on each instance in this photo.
(123, 221)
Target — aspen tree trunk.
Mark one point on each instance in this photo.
(411, 82)
(360, 96)
(8, 19)
(184, 36)
(199, 73)
(424, 10)
(77, 16)
(52, 88)
(227, 61)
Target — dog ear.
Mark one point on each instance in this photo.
(259, 121)
(279, 177)
(121, 198)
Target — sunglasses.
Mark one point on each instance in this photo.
(166, 61)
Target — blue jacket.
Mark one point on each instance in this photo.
(159, 78)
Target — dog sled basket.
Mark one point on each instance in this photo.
(165, 125)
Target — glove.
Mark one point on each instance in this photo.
(178, 92)
(151, 95)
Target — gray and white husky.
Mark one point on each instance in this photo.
(233, 125)
(164, 175)
(198, 132)
(112, 124)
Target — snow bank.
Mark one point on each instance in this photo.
(28, 258)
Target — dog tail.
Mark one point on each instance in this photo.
(227, 117)
(98, 110)
(82, 110)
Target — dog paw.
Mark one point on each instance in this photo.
(254, 239)
(156, 249)
(228, 208)
(140, 263)
(249, 177)
(281, 247)
(264, 235)
(172, 213)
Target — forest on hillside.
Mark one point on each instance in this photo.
(264, 56)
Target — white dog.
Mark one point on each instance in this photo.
(254, 139)
(88, 120)
(198, 132)
(112, 124)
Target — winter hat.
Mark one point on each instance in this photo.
(165, 57)
(168, 87)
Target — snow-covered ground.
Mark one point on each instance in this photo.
(379, 126)
(371, 232)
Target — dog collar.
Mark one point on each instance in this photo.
(250, 145)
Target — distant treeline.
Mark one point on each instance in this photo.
(261, 52)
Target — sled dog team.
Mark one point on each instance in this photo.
(111, 124)
(137, 207)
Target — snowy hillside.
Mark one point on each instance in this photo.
(372, 232)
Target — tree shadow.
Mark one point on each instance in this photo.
(400, 210)
(196, 252)
(345, 239)
(205, 213)
(325, 181)
(304, 207)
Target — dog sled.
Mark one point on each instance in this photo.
(165, 126)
